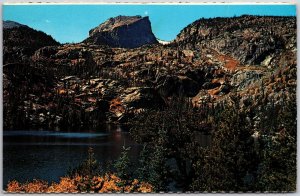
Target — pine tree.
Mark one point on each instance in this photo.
(123, 164)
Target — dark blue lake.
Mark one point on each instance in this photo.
(47, 155)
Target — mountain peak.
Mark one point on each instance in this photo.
(123, 31)
(115, 22)
(8, 24)
(21, 41)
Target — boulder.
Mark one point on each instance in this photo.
(141, 97)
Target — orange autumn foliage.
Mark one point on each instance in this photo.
(96, 184)
(145, 187)
(37, 186)
(14, 186)
(66, 185)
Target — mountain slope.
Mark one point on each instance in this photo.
(208, 62)
(21, 41)
(250, 39)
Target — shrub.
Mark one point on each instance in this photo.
(96, 184)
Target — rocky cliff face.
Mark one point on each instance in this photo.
(250, 39)
(124, 32)
(21, 41)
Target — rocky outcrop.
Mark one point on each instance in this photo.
(134, 100)
(177, 85)
(74, 59)
(243, 79)
(124, 32)
(141, 97)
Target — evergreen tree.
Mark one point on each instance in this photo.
(123, 164)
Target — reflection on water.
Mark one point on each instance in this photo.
(49, 154)
(52, 133)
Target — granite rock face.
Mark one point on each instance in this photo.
(249, 39)
(123, 32)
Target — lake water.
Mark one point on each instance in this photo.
(48, 155)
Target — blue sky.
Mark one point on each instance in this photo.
(71, 23)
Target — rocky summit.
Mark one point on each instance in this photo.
(107, 79)
(124, 32)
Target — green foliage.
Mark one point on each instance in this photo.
(170, 134)
(253, 148)
(249, 155)
(123, 164)
(229, 164)
(277, 170)
(153, 167)
(89, 167)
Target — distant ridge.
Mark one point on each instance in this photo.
(248, 38)
(21, 41)
(8, 24)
